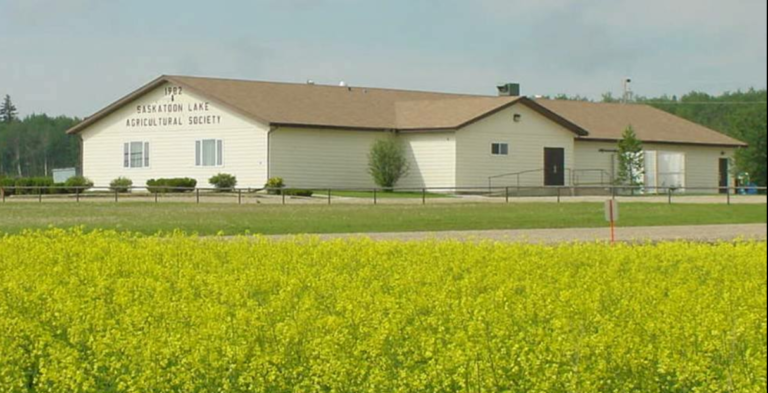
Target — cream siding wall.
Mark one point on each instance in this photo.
(317, 158)
(172, 147)
(701, 162)
(432, 158)
(527, 140)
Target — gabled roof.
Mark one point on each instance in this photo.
(319, 106)
(608, 121)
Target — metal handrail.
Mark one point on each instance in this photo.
(518, 174)
(603, 174)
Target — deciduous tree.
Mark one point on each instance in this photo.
(387, 162)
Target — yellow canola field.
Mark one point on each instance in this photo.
(110, 312)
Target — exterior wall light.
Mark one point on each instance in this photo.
(518, 118)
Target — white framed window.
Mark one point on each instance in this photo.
(209, 152)
(136, 155)
(500, 149)
(665, 169)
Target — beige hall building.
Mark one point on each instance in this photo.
(316, 136)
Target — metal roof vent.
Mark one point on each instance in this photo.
(509, 90)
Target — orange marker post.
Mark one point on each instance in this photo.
(612, 216)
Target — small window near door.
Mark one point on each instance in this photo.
(500, 149)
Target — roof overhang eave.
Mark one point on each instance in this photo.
(677, 143)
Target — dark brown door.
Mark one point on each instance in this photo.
(554, 166)
(725, 169)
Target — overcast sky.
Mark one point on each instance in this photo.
(75, 56)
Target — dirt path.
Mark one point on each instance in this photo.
(708, 233)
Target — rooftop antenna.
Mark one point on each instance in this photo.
(628, 94)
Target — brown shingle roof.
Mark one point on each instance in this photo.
(446, 113)
(608, 122)
(285, 104)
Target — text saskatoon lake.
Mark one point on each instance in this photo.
(167, 115)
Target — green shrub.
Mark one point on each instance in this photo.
(78, 184)
(6, 184)
(23, 185)
(181, 184)
(60, 188)
(387, 162)
(27, 185)
(156, 186)
(121, 184)
(275, 185)
(43, 183)
(223, 182)
(299, 192)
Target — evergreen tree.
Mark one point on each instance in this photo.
(7, 111)
(631, 159)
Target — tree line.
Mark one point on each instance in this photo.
(36, 144)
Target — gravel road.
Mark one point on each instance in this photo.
(708, 233)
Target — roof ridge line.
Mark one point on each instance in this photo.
(387, 89)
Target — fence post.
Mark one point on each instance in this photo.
(728, 192)
(375, 196)
(669, 192)
(239, 197)
(156, 192)
(423, 196)
(559, 192)
(330, 195)
(507, 194)
(197, 195)
(77, 195)
(282, 193)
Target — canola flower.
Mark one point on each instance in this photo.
(115, 312)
